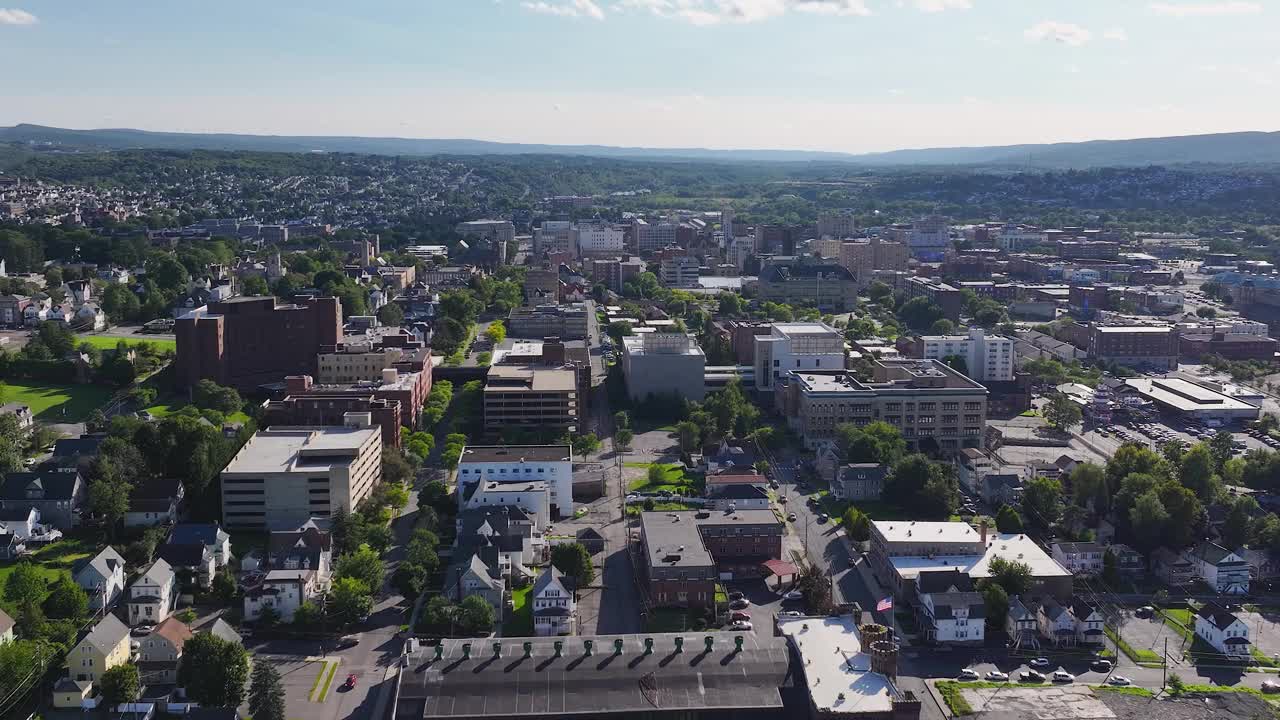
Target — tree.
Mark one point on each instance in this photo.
(350, 599)
(307, 615)
(856, 524)
(689, 434)
(25, 588)
(1221, 448)
(211, 396)
(1148, 518)
(475, 615)
(877, 442)
(1008, 520)
(1012, 575)
(1133, 458)
(573, 560)
(67, 601)
(957, 363)
(395, 495)
(996, 601)
(1110, 571)
(1042, 502)
(121, 684)
(266, 695)
(395, 469)
(919, 313)
(409, 579)
(109, 501)
(1235, 530)
(923, 485)
(224, 586)
(730, 305)
(879, 292)
(585, 444)
(621, 420)
(269, 617)
(391, 315)
(622, 438)
(1207, 312)
(496, 332)
(1197, 472)
(213, 670)
(364, 564)
(1061, 412)
(942, 327)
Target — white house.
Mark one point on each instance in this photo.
(6, 627)
(102, 577)
(153, 595)
(1081, 558)
(208, 534)
(1021, 624)
(949, 609)
(530, 496)
(154, 502)
(554, 607)
(1221, 569)
(1056, 623)
(1089, 622)
(1225, 632)
(283, 590)
(90, 317)
(552, 464)
(741, 497)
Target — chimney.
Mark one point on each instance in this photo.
(984, 532)
(297, 384)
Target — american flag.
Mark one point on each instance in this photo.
(885, 605)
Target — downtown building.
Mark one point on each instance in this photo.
(795, 347)
(864, 257)
(988, 358)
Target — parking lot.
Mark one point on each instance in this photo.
(1155, 434)
(1150, 634)
(1264, 631)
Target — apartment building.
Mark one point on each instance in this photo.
(532, 396)
(553, 236)
(573, 321)
(305, 404)
(827, 286)
(988, 358)
(597, 239)
(1153, 346)
(793, 347)
(679, 271)
(687, 553)
(650, 237)
(245, 342)
(741, 336)
(926, 400)
(837, 224)
(1081, 558)
(502, 231)
(1231, 346)
(612, 272)
(664, 363)
(947, 297)
(286, 475)
(930, 237)
(864, 257)
(1085, 249)
(513, 467)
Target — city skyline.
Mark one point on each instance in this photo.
(837, 75)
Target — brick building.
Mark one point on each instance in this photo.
(945, 296)
(686, 552)
(245, 342)
(1232, 346)
(1135, 345)
(328, 406)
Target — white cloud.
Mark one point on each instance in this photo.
(1060, 32)
(1116, 34)
(897, 92)
(14, 16)
(932, 6)
(568, 8)
(1072, 68)
(1206, 9)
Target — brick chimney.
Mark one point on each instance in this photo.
(984, 533)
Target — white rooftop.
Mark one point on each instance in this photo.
(1010, 546)
(920, 531)
(809, 328)
(834, 664)
(300, 449)
(1185, 396)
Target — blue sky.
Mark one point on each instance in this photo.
(848, 75)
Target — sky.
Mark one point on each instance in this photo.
(837, 75)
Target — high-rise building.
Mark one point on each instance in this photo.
(597, 239)
(650, 237)
(532, 397)
(828, 286)
(796, 346)
(664, 364)
(679, 271)
(988, 358)
(837, 225)
(864, 257)
(930, 237)
(553, 236)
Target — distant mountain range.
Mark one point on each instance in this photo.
(1229, 148)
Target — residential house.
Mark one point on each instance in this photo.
(1171, 567)
(509, 529)
(12, 547)
(6, 627)
(1223, 631)
(950, 610)
(1263, 564)
(89, 317)
(101, 576)
(1081, 558)
(154, 501)
(99, 650)
(208, 534)
(1056, 623)
(1089, 622)
(25, 523)
(161, 651)
(1221, 569)
(554, 606)
(972, 465)
(71, 451)
(12, 308)
(1002, 488)
(70, 694)
(222, 629)
(192, 562)
(152, 596)
(307, 548)
(21, 413)
(591, 539)
(1022, 624)
(744, 496)
(1129, 562)
(283, 591)
(473, 576)
(726, 454)
(57, 494)
(735, 475)
(859, 481)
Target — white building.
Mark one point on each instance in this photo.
(553, 236)
(531, 496)
(1013, 238)
(1225, 632)
(597, 238)
(797, 346)
(930, 236)
(552, 464)
(554, 607)
(679, 271)
(651, 237)
(152, 596)
(284, 591)
(285, 475)
(988, 358)
(1221, 569)
(1082, 558)
(102, 577)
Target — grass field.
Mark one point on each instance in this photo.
(50, 574)
(662, 507)
(172, 404)
(58, 403)
(674, 480)
(106, 342)
(64, 553)
(520, 622)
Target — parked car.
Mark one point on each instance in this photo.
(737, 595)
(1119, 681)
(1100, 666)
(1039, 663)
(791, 517)
(790, 614)
(739, 604)
(740, 625)
(997, 676)
(1030, 676)
(347, 641)
(793, 595)
(1063, 676)
(1270, 687)
(823, 518)
(969, 674)
(739, 615)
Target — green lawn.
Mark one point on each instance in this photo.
(673, 620)
(671, 506)
(57, 403)
(49, 573)
(1182, 622)
(106, 342)
(64, 553)
(1135, 654)
(166, 406)
(674, 480)
(520, 622)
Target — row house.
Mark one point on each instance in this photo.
(1081, 558)
(1076, 623)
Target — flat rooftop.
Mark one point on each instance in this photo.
(506, 378)
(1185, 396)
(918, 531)
(835, 666)
(795, 329)
(1129, 329)
(674, 540)
(516, 453)
(1010, 546)
(572, 683)
(300, 449)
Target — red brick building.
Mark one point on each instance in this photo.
(307, 405)
(1232, 346)
(686, 552)
(248, 341)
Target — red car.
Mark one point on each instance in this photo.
(351, 682)
(740, 616)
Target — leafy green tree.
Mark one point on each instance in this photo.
(395, 495)
(67, 600)
(1198, 473)
(856, 524)
(1061, 412)
(689, 434)
(266, 694)
(1220, 446)
(350, 599)
(621, 420)
(408, 579)
(730, 305)
(307, 615)
(395, 469)
(573, 560)
(1042, 502)
(364, 565)
(585, 444)
(496, 332)
(623, 438)
(109, 501)
(213, 670)
(877, 442)
(1235, 530)
(1012, 575)
(1008, 520)
(1148, 518)
(996, 602)
(391, 315)
(1133, 458)
(121, 684)
(942, 327)
(475, 615)
(927, 487)
(919, 313)
(1110, 570)
(879, 292)
(25, 588)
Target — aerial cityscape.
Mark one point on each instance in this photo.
(651, 395)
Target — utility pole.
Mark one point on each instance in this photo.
(1164, 666)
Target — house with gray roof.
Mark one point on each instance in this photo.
(101, 576)
(473, 576)
(153, 596)
(554, 603)
(1021, 624)
(57, 494)
(950, 610)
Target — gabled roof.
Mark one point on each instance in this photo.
(175, 631)
(1210, 552)
(107, 634)
(1052, 609)
(550, 574)
(1020, 611)
(482, 571)
(156, 488)
(190, 555)
(159, 573)
(104, 563)
(589, 534)
(1079, 547)
(939, 581)
(84, 446)
(1217, 615)
(944, 604)
(1082, 608)
(222, 629)
(6, 622)
(204, 533)
(56, 484)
